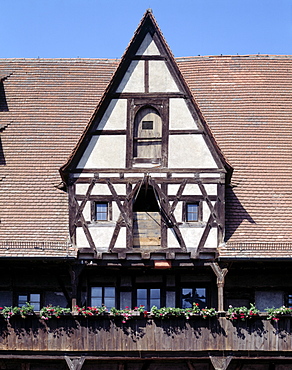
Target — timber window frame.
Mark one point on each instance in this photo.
(198, 295)
(135, 106)
(103, 296)
(148, 297)
(100, 216)
(189, 215)
(32, 298)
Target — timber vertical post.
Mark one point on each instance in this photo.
(220, 274)
(75, 271)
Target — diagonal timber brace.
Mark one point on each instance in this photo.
(166, 212)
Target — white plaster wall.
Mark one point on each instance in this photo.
(206, 211)
(212, 240)
(192, 189)
(115, 117)
(121, 241)
(104, 152)
(116, 211)
(172, 241)
(81, 189)
(192, 236)
(173, 189)
(160, 79)
(180, 116)
(81, 240)
(211, 189)
(189, 151)
(103, 189)
(87, 212)
(133, 81)
(178, 212)
(148, 47)
(102, 237)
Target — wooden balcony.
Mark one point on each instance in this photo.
(71, 334)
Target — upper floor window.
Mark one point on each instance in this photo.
(189, 296)
(192, 212)
(33, 298)
(147, 136)
(148, 297)
(101, 211)
(103, 295)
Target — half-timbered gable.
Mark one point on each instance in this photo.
(148, 160)
(134, 204)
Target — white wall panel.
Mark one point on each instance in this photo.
(189, 151)
(180, 117)
(104, 152)
(115, 117)
(133, 81)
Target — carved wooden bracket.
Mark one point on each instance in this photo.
(75, 363)
(220, 274)
(220, 363)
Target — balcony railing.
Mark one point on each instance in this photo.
(75, 333)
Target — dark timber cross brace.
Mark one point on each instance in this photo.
(211, 220)
(167, 214)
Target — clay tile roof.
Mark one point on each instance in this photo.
(246, 101)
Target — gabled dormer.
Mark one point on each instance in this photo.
(147, 176)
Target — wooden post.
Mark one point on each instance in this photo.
(75, 271)
(220, 273)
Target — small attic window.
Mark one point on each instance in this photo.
(147, 136)
(147, 125)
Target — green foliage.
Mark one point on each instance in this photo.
(242, 313)
(168, 312)
(275, 313)
(53, 311)
(91, 311)
(128, 313)
(23, 311)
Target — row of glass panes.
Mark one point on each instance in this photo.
(147, 297)
(192, 212)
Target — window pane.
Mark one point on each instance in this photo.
(96, 292)
(187, 297)
(96, 301)
(22, 299)
(101, 211)
(109, 297)
(200, 296)
(142, 297)
(35, 301)
(192, 212)
(155, 298)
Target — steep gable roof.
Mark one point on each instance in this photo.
(147, 42)
(246, 101)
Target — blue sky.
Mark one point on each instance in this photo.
(103, 28)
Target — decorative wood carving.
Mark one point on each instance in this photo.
(75, 363)
(220, 363)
